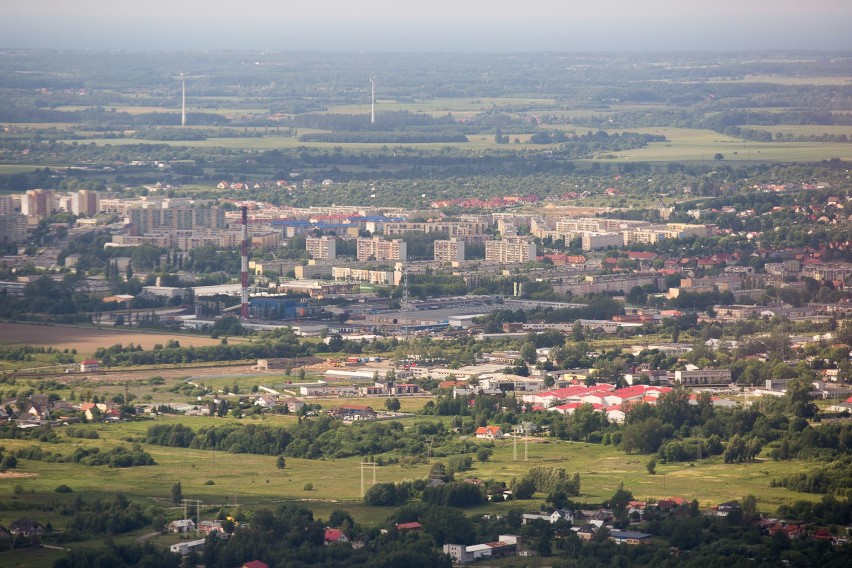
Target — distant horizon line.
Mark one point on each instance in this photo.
(436, 52)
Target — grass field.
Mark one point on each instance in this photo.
(252, 480)
(243, 481)
(87, 339)
(683, 144)
(442, 106)
(18, 168)
(686, 144)
(781, 80)
(806, 129)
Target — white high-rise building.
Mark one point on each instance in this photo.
(510, 250)
(323, 248)
(376, 248)
(451, 250)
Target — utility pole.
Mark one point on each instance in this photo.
(365, 464)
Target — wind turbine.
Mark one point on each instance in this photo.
(182, 99)
(372, 100)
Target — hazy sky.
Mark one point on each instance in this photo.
(427, 25)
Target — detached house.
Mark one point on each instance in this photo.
(335, 535)
(26, 527)
(39, 407)
(353, 412)
(182, 526)
(489, 432)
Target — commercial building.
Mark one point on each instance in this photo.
(704, 378)
(278, 308)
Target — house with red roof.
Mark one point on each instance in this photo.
(335, 535)
(670, 503)
(412, 526)
(489, 432)
(642, 256)
(255, 564)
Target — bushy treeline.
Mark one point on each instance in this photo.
(387, 494)
(413, 137)
(106, 517)
(81, 432)
(120, 556)
(118, 355)
(454, 494)
(41, 433)
(596, 141)
(117, 457)
(102, 117)
(827, 511)
(548, 479)
(834, 477)
(312, 439)
(359, 122)
(823, 442)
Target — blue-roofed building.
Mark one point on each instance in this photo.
(278, 308)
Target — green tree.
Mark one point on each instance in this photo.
(651, 466)
(177, 494)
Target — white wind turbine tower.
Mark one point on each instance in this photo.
(372, 100)
(182, 100)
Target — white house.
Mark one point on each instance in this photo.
(182, 526)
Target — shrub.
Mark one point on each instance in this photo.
(63, 489)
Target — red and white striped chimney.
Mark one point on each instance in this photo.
(244, 306)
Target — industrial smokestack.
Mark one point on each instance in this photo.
(244, 306)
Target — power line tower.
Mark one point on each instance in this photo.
(517, 432)
(367, 465)
(515, 447)
(197, 503)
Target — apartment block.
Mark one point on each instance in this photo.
(37, 203)
(597, 241)
(365, 275)
(181, 218)
(7, 205)
(510, 250)
(376, 248)
(686, 230)
(13, 229)
(457, 229)
(324, 248)
(451, 250)
(84, 203)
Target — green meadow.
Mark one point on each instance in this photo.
(220, 478)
